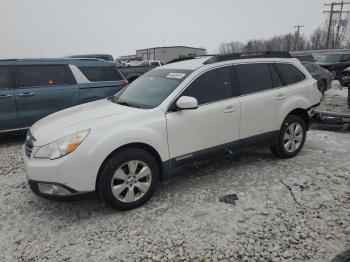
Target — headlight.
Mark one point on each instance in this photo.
(63, 146)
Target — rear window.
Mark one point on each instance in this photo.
(100, 74)
(290, 74)
(5, 77)
(48, 75)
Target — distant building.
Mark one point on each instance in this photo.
(167, 53)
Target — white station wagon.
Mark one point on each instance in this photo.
(180, 113)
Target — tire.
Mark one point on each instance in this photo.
(284, 150)
(322, 86)
(121, 172)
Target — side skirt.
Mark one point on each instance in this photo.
(175, 164)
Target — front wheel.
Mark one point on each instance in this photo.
(128, 179)
(291, 138)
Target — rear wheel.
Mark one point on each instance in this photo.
(291, 137)
(128, 179)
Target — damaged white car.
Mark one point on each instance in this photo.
(180, 113)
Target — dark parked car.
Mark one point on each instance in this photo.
(130, 73)
(306, 57)
(323, 76)
(335, 63)
(346, 82)
(31, 89)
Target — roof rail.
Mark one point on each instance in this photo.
(179, 59)
(247, 55)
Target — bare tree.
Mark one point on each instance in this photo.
(231, 47)
(340, 37)
(318, 38)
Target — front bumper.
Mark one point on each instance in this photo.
(70, 193)
(67, 178)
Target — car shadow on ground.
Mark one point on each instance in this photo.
(17, 137)
(208, 170)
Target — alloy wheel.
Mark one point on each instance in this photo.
(293, 137)
(131, 181)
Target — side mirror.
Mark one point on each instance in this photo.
(187, 102)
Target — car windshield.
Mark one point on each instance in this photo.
(150, 90)
(333, 58)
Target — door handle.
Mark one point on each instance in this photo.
(230, 109)
(26, 94)
(281, 96)
(5, 96)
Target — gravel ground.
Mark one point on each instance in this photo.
(185, 221)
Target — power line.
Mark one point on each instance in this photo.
(331, 13)
(297, 36)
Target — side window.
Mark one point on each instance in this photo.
(5, 77)
(211, 86)
(290, 74)
(276, 80)
(253, 78)
(101, 73)
(346, 57)
(49, 75)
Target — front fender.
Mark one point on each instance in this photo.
(101, 144)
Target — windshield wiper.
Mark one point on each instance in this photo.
(124, 103)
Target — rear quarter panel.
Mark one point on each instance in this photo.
(300, 96)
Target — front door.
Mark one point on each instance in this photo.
(8, 114)
(211, 128)
(42, 90)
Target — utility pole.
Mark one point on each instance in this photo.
(297, 36)
(331, 13)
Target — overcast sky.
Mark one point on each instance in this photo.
(51, 28)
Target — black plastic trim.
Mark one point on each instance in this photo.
(75, 195)
(247, 55)
(172, 165)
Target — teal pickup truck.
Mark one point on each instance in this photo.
(31, 89)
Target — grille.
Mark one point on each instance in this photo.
(29, 144)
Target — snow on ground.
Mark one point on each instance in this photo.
(335, 99)
(185, 221)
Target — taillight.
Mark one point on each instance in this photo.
(124, 83)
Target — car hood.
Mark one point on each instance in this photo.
(77, 118)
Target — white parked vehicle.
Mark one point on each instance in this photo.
(151, 63)
(171, 116)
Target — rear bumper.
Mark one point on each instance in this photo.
(73, 195)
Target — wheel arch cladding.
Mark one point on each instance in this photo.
(143, 146)
(303, 114)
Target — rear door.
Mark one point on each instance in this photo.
(259, 101)
(42, 90)
(8, 114)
